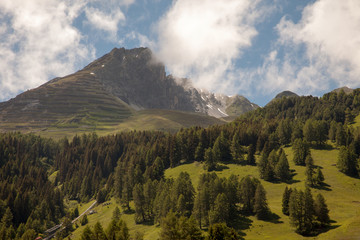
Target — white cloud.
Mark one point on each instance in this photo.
(202, 39)
(38, 39)
(107, 16)
(38, 42)
(106, 21)
(322, 49)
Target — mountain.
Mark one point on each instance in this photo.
(345, 89)
(286, 94)
(109, 91)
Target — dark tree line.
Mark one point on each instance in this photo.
(127, 164)
(307, 215)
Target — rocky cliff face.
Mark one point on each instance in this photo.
(139, 80)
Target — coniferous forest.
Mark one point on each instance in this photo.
(37, 175)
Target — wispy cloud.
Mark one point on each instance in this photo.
(106, 21)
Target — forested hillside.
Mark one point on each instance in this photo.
(38, 175)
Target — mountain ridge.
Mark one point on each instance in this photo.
(108, 91)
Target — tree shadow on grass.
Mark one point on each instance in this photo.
(241, 223)
(220, 168)
(323, 186)
(322, 229)
(129, 211)
(273, 218)
(322, 146)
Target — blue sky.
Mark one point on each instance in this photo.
(255, 48)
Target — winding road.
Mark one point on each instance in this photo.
(52, 231)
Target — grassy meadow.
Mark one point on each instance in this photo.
(342, 194)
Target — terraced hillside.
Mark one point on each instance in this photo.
(108, 91)
(73, 101)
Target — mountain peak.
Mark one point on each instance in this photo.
(286, 93)
(345, 89)
(112, 88)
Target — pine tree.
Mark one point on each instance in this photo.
(220, 211)
(309, 172)
(183, 187)
(7, 218)
(308, 211)
(98, 232)
(247, 188)
(265, 168)
(347, 162)
(116, 214)
(340, 135)
(210, 162)
(170, 228)
(332, 131)
(318, 177)
(282, 169)
(84, 220)
(261, 208)
(297, 132)
(301, 150)
(296, 210)
(236, 149)
(286, 200)
(309, 131)
(220, 231)
(250, 158)
(139, 202)
(199, 152)
(273, 158)
(321, 211)
(189, 230)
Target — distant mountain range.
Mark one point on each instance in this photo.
(112, 90)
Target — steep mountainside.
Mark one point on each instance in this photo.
(110, 90)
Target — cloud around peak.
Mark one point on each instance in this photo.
(202, 39)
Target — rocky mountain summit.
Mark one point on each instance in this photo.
(139, 80)
(111, 89)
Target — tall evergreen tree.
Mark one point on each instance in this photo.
(250, 158)
(220, 211)
(98, 232)
(301, 150)
(318, 177)
(282, 169)
(296, 210)
(220, 231)
(321, 211)
(261, 208)
(210, 161)
(236, 149)
(347, 162)
(286, 200)
(309, 211)
(265, 168)
(87, 234)
(139, 202)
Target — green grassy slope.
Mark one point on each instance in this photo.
(78, 101)
(103, 214)
(342, 196)
(151, 119)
